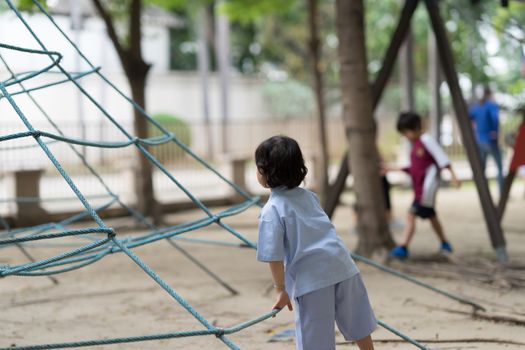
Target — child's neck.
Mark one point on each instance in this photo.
(417, 135)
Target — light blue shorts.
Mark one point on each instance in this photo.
(345, 303)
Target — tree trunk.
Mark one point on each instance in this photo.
(315, 53)
(136, 72)
(360, 126)
(146, 202)
(378, 87)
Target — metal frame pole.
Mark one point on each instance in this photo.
(467, 135)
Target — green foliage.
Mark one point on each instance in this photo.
(469, 45)
(274, 33)
(183, 49)
(281, 37)
(510, 25)
(27, 5)
(246, 11)
(178, 5)
(469, 28)
(245, 50)
(170, 152)
(380, 17)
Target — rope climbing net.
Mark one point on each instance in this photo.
(100, 240)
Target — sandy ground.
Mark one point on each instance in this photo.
(115, 298)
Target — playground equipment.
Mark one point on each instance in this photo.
(99, 240)
(447, 64)
(518, 159)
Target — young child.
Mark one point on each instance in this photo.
(427, 158)
(309, 263)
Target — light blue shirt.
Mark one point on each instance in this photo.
(294, 228)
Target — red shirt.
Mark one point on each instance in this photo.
(425, 153)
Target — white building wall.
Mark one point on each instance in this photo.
(178, 93)
(93, 42)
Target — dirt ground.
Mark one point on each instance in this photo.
(115, 298)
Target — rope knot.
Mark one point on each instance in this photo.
(111, 233)
(136, 140)
(220, 332)
(36, 133)
(216, 219)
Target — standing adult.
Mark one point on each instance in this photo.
(485, 119)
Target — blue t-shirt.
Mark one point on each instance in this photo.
(294, 228)
(486, 120)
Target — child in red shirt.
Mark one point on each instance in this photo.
(427, 158)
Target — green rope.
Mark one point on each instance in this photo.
(218, 332)
(406, 277)
(99, 248)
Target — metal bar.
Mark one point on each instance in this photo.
(467, 135)
(335, 189)
(505, 194)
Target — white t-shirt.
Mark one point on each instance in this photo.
(294, 228)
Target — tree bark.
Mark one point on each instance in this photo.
(374, 235)
(378, 88)
(315, 54)
(136, 70)
(143, 171)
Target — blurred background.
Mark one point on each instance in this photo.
(224, 75)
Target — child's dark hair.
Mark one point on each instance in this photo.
(280, 160)
(408, 121)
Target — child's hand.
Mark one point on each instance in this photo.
(455, 182)
(385, 168)
(282, 300)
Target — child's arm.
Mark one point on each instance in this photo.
(441, 158)
(453, 178)
(277, 268)
(386, 168)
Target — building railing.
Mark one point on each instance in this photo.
(116, 165)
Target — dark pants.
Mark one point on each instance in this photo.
(492, 148)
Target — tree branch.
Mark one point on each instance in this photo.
(135, 11)
(112, 33)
